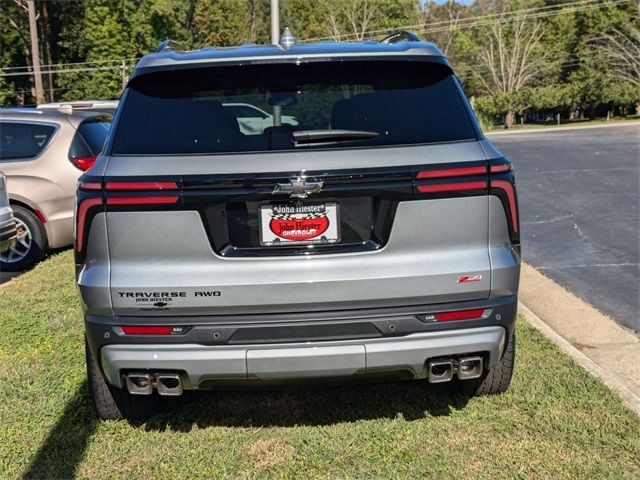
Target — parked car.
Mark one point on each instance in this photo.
(42, 153)
(99, 106)
(7, 223)
(379, 238)
(254, 120)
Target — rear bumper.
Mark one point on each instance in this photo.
(199, 364)
(7, 234)
(300, 346)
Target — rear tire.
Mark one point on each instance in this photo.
(31, 243)
(496, 380)
(113, 403)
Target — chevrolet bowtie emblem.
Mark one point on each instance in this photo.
(298, 188)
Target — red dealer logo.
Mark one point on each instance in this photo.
(298, 229)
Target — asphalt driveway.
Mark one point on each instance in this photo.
(579, 193)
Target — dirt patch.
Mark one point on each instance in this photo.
(264, 454)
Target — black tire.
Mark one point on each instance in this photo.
(38, 236)
(496, 380)
(113, 403)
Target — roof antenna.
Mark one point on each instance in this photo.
(287, 40)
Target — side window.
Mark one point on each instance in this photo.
(23, 140)
(240, 111)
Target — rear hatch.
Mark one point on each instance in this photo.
(377, 196)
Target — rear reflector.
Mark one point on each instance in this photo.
(142, 186)
(452, 187)
(452, 172)
(83, 163)
(459, 315)
(146, 330)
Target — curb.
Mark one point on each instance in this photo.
(629, 398)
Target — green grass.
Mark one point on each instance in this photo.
(556, 421)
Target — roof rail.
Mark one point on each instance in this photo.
(168, 44)
(402, 35)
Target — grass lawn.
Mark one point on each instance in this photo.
(555, 422)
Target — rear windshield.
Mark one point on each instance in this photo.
(260, 107)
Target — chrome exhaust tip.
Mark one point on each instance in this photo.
(139, 384)
(440, 371)
(469, 368)
(169, 384)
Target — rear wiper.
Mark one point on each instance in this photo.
(319, 137)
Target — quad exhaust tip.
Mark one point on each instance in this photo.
(139, 384)
(167, 384)
(469, 368)
(443, 369)
(440, 371)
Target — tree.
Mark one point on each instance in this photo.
(506, 57)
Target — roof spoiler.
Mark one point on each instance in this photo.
(168, 44)
(401, 36)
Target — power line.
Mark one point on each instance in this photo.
(499, 17)
(74, 63)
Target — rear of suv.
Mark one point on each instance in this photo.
(378, 238)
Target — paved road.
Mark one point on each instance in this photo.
(579, 207)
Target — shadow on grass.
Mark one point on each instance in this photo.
(309, 405)
(67, 441)
(65, 446)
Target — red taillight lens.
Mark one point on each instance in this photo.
(142, 186)
(83, 208)
(146, 330)
(159, 200)
(452, 187)
(83, 163)
(508, 188)
(452, 172)
(459, 315)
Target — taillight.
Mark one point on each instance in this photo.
(494, 178)
(146, 330)
(83, 163)
(459, 315)
(92, 194)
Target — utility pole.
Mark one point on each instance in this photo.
(275, 40)
(35, 50)
(275, 22)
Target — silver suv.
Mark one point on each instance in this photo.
(377, 238)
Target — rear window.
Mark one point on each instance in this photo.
(23, 140)
(222, 109)
(94, 134)
(89, 139)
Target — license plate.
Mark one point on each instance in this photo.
(299, 224)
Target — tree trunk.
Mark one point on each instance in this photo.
(35, 51)
(509, 119)
(637, 108)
